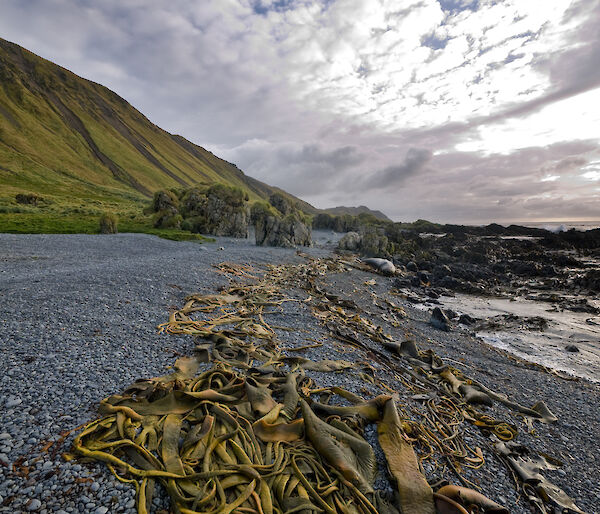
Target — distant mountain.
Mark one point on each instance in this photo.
(355, 211)
(65, 137)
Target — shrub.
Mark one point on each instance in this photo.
(187, 225)
(164, 200)
(28, 198)
(108, 223)
(233, 196)
(192, 202)
(261, 210)
(167, 218)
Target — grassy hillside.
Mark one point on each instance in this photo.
(85, 150)
(355, 211)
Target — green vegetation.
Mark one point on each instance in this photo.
(71, 149)
(108, 223)
(57, 221)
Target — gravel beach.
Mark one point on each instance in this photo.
(79, 316)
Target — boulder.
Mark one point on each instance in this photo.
(412, 266)
(439, 320)
(465, 319)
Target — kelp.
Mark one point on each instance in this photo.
(239, 426)
(528, 467)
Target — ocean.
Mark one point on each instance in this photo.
(560, 226)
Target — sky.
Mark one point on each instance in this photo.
(449, 110)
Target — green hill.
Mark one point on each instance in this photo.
(84, 149)
(355, 211)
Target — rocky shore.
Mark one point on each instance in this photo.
(79, 316)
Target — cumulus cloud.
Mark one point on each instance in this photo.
(418, 108)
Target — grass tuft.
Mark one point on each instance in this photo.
(108, 223)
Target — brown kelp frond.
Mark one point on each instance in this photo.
(241, 427)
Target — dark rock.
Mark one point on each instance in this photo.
(439, 319)
(465, 319)
(449, 283)
(572, 348)
(401, 283)
(412, 266)
(591, 280)
(442, 271)
(450, 313)
(287, 232)
(424, 277)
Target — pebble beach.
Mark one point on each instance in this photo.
(79, 317)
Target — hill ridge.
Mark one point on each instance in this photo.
(65, 136)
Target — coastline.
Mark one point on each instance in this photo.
(81, 314)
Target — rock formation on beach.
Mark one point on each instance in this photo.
(281, 225)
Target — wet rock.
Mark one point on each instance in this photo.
(402, 283)
(439, 320)
(442, 271)
(513, 322)
(424, 277)
(465, 319)
(412, 266)
(450, 313)
(590, 280)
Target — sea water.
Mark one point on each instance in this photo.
(547, 347)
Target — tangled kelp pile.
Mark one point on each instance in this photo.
(253, 432)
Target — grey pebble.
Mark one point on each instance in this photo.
(13, 402)
(35, 504)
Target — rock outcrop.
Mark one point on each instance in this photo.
(273, 228)
(350, 242)
(219, 211)
(370, 242)
(289, 231)
(165, 206)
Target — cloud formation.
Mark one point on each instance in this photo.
(456, 110)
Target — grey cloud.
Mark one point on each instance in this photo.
(340, 158)
(396, 174)
(202, 69)
(305, 169)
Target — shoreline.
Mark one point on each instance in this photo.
(68, 288)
